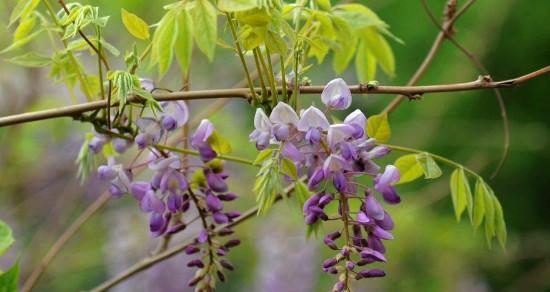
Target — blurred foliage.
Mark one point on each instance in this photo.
(39, 194)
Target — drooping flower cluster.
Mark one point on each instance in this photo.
(175, 187)
(333, 156)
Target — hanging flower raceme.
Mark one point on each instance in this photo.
(333, 156)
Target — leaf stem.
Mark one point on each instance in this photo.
(240, 53)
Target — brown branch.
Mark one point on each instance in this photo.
(68, 234)
(150, 261)
(450, 18)
(483, 69)
(483, 82)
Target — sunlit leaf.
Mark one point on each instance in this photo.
(23, 9)
(429, 166)
(236, 5)
(24, 28)
(205, 27)
(409, 168)
(263, 155)
(135, 25)
(479, 202)
(184, 41)
(289, 168)
(460, 193)
(164, 41)
(219, 144)
(365, 63)
(379, 128)
(380, 49)
(276, 43)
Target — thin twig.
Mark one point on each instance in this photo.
(450, 18)
(413, 92)
(483, 69)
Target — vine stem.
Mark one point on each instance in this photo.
(151, 261)
(450, 19)
(413, 92)
(437, 157)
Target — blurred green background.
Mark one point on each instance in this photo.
(40, 196)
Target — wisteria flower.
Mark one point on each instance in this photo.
(151, 132)
(383, 183)
(336, 94)
(284, 119)
(200, 140)
(262, 134)
(313, 121)
(175, 114)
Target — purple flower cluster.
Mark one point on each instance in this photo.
(175, 187)
(333, 156)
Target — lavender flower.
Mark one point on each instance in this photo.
(336, 94)
(262, 134)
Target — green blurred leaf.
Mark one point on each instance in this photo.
(429, 166)
(500, 224)
(289, 168)
(219, 144)
(489, 214)
(347, 45)
(479, 203)
(24, 28)
(23, 9)
(21, 42)
(184, 41)
(380, 49)
(6, 237)
(460, 193)
(409, 168)
(135, 25)
(365, 63)
(236, 5)
(254, 17)
(263, 155)
(276, 43)
(10, 279)
(379, 128)
(32, 59)
(164, 41)
(301, 192)
(205, 27)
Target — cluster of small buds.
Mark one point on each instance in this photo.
(333, 156)
(175, 187)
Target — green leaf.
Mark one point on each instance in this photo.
(24, 28)
(135, 25)
(500, 224)
(268, 185)
(32, 59)
(205, 27)
(489, 214)
(10, 279)
(359, 16)
(219, 144)
(236, 5)
(23, 9)
(301, 192)
(381, 50)
(21, 42)
(429, 166)
(365, 63)
(263, 155)
(276, 43)
(6, 238)
(409, 168)
(289, 168)
(164, 41)
(379, 128)
(184, 41)
(479, 203)
(461, 193)
(254, 17)
(324, 4)
(348, 44)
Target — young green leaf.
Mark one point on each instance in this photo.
(409, 168)
(236, 5)
(32, 59)
(23, 9)
(219, 144)
(381, 50)
(365, 63)
(276, 43)
(184, 41)
(21, 42)
(289, 168)
(500, 224)
(135, 25)
(379, 128)
(460, 193)
(489, 214)
(6, 238)
(429, 166)
(164, 41)
(344, 53)
(24, 28)
(479, 203)
(10, 279)
(263, 155)
(205, 27)
(267, 185)
(301, 192)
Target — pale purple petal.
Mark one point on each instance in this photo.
(312, 118)
(284, 114)
(336, 94)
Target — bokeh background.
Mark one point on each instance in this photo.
(40, 196)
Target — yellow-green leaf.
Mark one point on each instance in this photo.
(489, 214)
(379, 128)
(23, 9)
(276, 43)
(289, 168)
(460, 193)
(24, 28)
(135, 25)
(479, 203)
(31, 60)
(301, 192)
(263, 155)
(409, 168)
(381, 50)
(184, 41)
(429, 166)
(365, 63)
(236, 5)
(164, 41)
(219, 144)
(254, 17)
(500, 224)
(205, 27)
